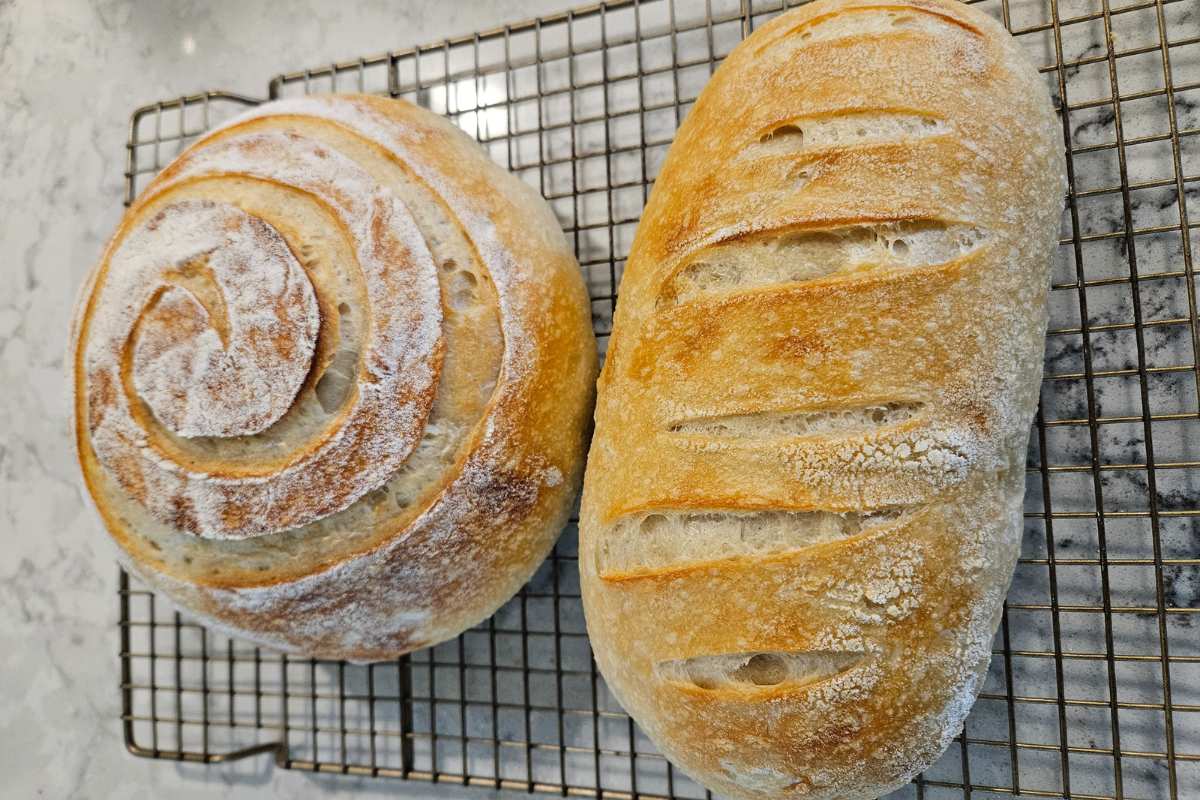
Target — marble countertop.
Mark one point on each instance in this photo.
(71, 71)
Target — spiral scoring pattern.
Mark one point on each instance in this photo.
(207, 318)
(227, 336)
(333, 378)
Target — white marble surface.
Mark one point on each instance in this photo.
(70, 74)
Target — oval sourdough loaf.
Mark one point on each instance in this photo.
(332, 377)
(804, 500)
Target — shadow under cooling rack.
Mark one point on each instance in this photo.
(1094, 689)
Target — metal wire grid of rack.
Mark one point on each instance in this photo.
(1094, 688)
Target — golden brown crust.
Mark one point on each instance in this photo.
(803, 502)
(497, 432)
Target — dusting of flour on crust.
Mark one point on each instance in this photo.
(235, 375)
(401, 358)
(504, 497)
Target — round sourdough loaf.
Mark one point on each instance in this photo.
(803, 503)
(332, 379)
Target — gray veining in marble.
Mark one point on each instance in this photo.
(70, 73)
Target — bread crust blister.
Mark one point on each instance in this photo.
(803, 505)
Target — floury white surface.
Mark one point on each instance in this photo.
(70, 74)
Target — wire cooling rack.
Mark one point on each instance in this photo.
(1094, 689)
